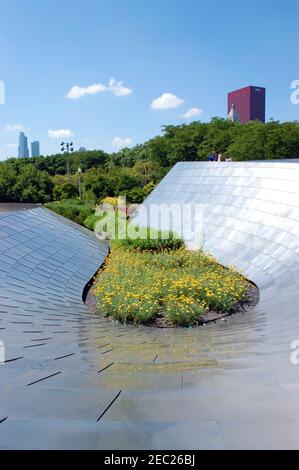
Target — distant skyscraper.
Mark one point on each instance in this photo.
(23, 146)
(35, 151)
(249, 103)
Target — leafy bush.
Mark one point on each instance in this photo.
(135, 195)
(122, 233)
(72, 209)
(21, 182)
(138, 195)
(65, 191)
(145, 239)
(91, 221)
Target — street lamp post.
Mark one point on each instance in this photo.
(67, 148)
(145, 164)
(80, 182)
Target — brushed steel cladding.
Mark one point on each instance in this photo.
(72, 380)
(250, 220)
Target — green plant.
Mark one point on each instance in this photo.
(173, 287)
(183, 311)
(91, 221)
(72, 209)
(65, 191)
(146, 239)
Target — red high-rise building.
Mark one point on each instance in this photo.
(250, 103)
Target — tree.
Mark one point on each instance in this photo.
(33, 185)
(135, 171)
(65, 191)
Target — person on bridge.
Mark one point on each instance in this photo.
(212, 157)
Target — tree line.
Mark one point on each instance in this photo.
(134, 172)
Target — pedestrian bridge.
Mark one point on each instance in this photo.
(73, 380)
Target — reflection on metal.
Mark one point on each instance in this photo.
(233, 115)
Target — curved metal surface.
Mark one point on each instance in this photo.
(45, 262)
(229, 385)
(250, 220)
(16, 206)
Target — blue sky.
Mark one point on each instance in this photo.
(183, 54)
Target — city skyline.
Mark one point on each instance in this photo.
(131, 67)
(23, 148)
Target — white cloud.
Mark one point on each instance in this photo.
(119, 142)
(77, 92)
(14, 128)
(60, 133)
(166, 101)
(118, 88)
(11, 146)
(114, 86)
(192, 112)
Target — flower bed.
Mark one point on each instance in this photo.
(167, 288)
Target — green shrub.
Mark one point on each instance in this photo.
(65, 191)
(72, 209)
(91, 221)
(147, 239)
(124, 234)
